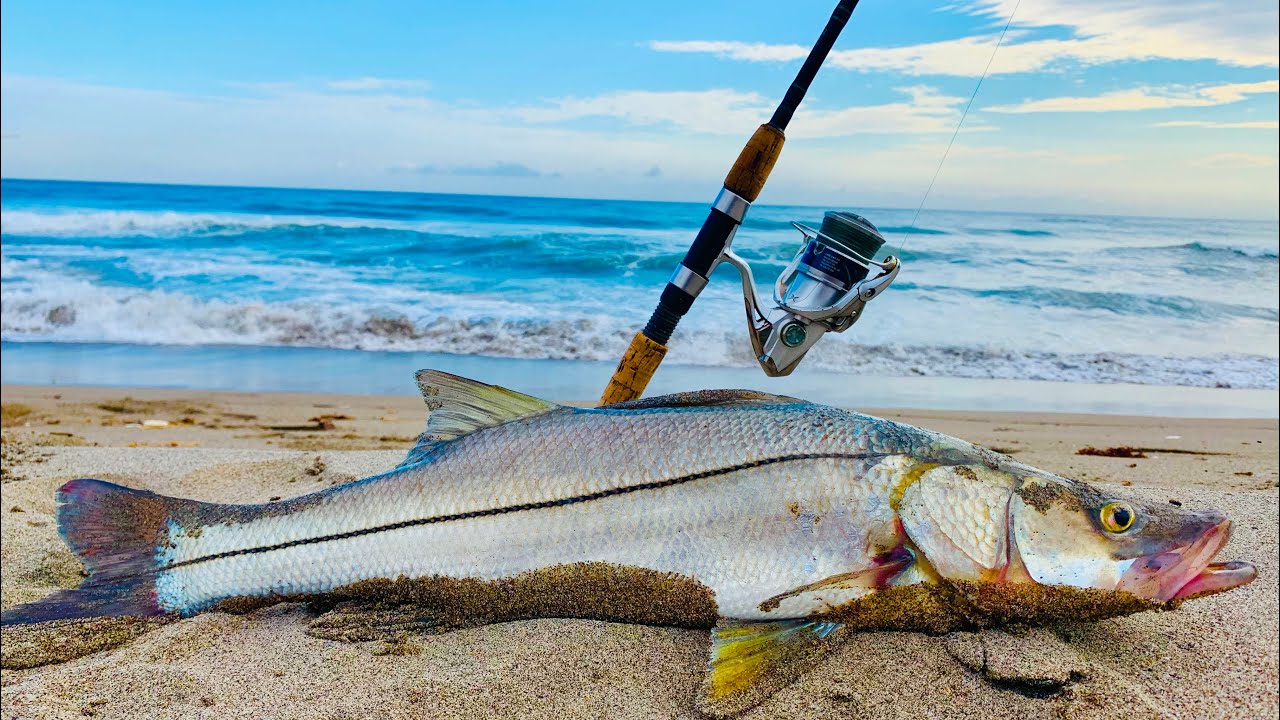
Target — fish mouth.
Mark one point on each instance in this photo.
(1189, 571)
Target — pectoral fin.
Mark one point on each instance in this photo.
(752, 661)
(884, 569)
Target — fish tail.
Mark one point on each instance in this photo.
(117, 532)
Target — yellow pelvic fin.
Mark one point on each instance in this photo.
(752, 661)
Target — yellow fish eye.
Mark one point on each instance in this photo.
(1116, 517)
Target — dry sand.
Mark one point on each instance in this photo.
(1214, 658)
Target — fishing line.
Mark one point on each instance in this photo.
(906, 234)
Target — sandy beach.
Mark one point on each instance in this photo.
(1216, 657)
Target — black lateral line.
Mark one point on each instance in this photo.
(656, 485)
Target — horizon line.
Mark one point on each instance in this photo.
(308, 188)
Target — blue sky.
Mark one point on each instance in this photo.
(1116, 106)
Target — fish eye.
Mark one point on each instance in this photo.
(1116, 517)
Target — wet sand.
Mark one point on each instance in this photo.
(1216, 657)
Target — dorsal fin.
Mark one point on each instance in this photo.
(460, 406)
(705, 398)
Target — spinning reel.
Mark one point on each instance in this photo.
(824, 289)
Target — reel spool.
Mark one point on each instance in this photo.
(824, 289)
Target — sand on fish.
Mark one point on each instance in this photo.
(1214, 658)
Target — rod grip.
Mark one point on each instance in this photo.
(634, 371)
(752, 168)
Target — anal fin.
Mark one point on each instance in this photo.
(752, 661)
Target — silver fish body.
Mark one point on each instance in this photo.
(751, 499)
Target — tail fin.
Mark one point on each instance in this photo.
(116, 532)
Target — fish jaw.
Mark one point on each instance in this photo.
(1189, 571)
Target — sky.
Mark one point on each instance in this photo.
(1090, 106)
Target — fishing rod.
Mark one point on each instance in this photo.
(825, 287)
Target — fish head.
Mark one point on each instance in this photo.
(1027, 546)
(1067, 533)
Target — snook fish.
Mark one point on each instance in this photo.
(781, 524)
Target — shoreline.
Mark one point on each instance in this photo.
(390, 373)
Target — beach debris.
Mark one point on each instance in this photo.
(61, 439)
(155, 424)
(319, 422)
(686, 510)
(1122, 451)
(396, 438)
(316, 468)
(1126, 451)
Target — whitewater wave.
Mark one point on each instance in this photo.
(164, 224)
(91, 223)
(981, 295)
(84, 312)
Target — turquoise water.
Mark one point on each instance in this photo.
(1081, 299)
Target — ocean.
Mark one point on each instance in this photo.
(1019, 297)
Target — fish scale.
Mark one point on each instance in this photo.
(595, 451)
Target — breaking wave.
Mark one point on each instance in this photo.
(83, 312)
(984, 295)
(161, 224)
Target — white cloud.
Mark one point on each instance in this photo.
(1145, 98)
(1246, 125)
(289, 136)
(292, 137)
(733, 50)
(723, 111)
(714, 111)
(1230, 32)
(1236, 160)
(1103, 31)
(375, 83)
